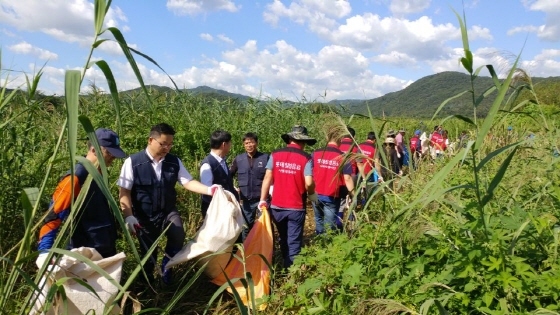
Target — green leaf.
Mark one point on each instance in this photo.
(113, 89)
(99, 15)
(497, 178)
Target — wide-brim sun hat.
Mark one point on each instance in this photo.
(391, 133)
(389, 140)
(402, 130)
(298, 133)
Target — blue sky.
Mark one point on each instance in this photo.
(297, 50)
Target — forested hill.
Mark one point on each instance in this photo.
(419, 99)
(423, 97)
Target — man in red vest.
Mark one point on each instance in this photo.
(367, 148)
(291, 170)
(327, 163)
(347, 146)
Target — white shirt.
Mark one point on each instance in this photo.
(206, 176)
(126, 179)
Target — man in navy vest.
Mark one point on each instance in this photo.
(95, 223)
(291, 171)
(148, 198)
(214, 169)
(250, 168)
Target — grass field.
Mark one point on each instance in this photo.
(474, 232)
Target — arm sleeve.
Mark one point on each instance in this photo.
(59, 210)
(233, 168)
(126, 178)
(206, 176)
(308, 170)
(184, 175)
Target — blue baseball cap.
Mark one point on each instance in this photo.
(417, 132)
(109, 139)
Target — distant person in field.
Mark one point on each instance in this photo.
(389, 165)
(291, 171)
(214, 169)
(366, 165)
(437, 142)
(347, 146)
(148, 198)
(415, 148)
(329, 173)
(250, 168)
(94, 224)
(399, 145)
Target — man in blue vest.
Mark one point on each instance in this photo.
(214, 169)
(94, 224)
(148, 198)
(250, 168)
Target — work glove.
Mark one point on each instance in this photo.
(313, 197)
(380, 179)
(51, 268)
(212, 189)
(132, 224)
(398, 155)
(262, 204)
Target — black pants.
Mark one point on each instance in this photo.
(152, 229)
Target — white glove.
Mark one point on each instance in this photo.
(51, 269)
(313, 197)
(270, 190)
(398, 155)
(380, 179)
(132, 224)
(262, 204)
(212, 189)
(41, 260)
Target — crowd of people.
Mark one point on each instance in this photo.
(282, 182)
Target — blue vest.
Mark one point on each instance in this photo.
(220, 177)
(153, 199)
(250, 178)
(94, 214)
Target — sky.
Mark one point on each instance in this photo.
(300, 50)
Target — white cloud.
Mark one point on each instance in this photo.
(404, 7)
(550, 31)
(28, 49)
(395, 58)
(225, 39)
(194, 7)
(317, 13)
(545, 64)
(206, 37)
(65, 20)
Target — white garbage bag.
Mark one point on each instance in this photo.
(80, 299)
(221, 228)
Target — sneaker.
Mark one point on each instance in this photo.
(166, 274)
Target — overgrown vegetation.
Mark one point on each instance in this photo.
(476, 232)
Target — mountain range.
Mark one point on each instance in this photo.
(419, 99)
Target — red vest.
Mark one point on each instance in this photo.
(326, 164)
(368, 149)
(414, 143)
(347, 145)
(437, 141)
(288, 175)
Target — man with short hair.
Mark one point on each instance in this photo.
(94, 224)
(148, 198)
(250, 168)
(328, 179)
(290, 169)
(214, 169)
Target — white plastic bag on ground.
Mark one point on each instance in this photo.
(80, 300)
(221, 228)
